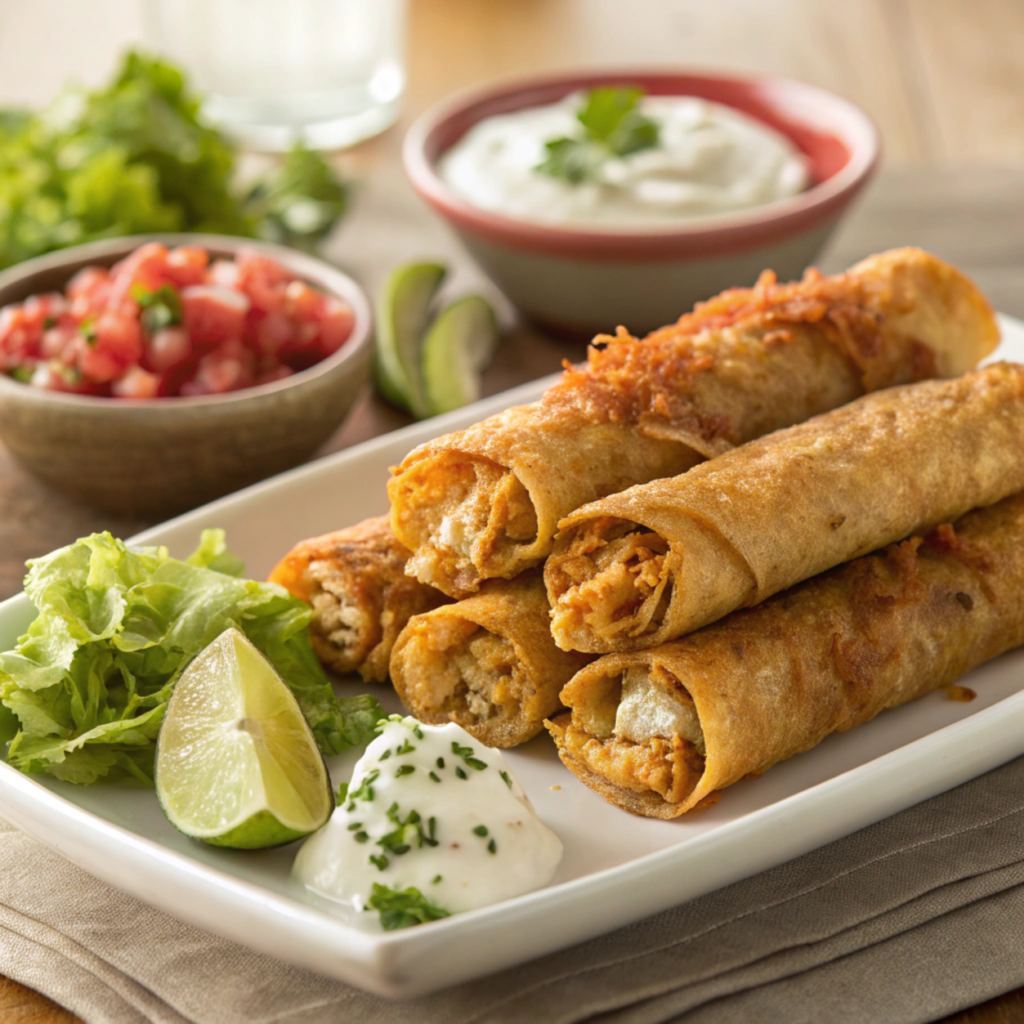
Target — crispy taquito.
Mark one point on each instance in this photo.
(485, 502)
(487, 662)
(661, 732)
(361, 596)
(659, 560)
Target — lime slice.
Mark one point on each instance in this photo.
(402, 316)
(457, 348)
(236, 763)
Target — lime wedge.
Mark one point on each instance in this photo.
(402, 316)
(457, 348)
(236, 763)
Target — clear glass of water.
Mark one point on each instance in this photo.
(328, 73)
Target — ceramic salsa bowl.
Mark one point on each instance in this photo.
(582, 280)
(162, 455)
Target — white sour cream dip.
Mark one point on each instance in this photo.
(710, 159)
(474, 839)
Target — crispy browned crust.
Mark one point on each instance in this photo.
(357, 573)
(739, 528)
(487, 662)
(744, 364)
(823, 657)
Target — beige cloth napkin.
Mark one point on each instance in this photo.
(908, 920)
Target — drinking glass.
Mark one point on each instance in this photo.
(273, 72)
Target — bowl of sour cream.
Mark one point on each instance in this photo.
(622, 197)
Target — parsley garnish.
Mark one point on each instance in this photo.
(379, 860)
(403, 908)
(612, 127)
(405, 748)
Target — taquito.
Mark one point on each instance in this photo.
(487, 662)
(660, 560)
(661, 732)
(361, 596)
(485, 502)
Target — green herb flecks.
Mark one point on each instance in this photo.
(492, 847)
(405, 769)
(461, 772)
(508, 781)
(379, 861)
(612, 128)
(466, 753)
(435, 777)
(480, 830)
(403, 908)
(408, 832)
(364, 791)
(161, 307)
(405, 748)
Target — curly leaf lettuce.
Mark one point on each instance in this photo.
(84, 692)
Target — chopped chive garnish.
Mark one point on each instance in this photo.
(461, 774)
(435, 776)
(405, 748)
(417, 732)
(406, 769)
(508, 781)
(492, 847)
(355, 826)
(386, 754)
(475, 762)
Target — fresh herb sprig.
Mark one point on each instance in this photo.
(402, 908)
(612, 128)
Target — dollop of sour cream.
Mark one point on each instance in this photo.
(430, 808)
(710, 159)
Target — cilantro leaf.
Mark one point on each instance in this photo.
(612, 128)
(135, 157)
(402, 908)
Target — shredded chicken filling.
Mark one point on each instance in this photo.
(484, 511)
(344, 630)
(617, 579)
(465, 672)
(640, 731)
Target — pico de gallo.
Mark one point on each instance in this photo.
(172, 322)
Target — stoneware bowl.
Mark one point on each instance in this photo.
(580, 280)
(161, 456)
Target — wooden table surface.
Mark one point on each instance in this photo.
(944, 79)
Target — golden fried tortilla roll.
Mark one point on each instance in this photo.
(659, 732)
(487, 662)
(662, 559)
(355, 580)
(485, 502)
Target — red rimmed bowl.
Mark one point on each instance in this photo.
(160, 456)
(581, 280)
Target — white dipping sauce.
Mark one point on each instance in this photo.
(486, 843)
(710, 159)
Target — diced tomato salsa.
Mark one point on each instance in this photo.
(169, 322)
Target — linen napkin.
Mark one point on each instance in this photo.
(908, 920)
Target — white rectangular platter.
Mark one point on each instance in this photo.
(617, 868)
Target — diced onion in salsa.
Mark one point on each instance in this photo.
(170, 322)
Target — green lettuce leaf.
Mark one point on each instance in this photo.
(83, 694)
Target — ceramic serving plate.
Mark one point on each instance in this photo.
(617, 868)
